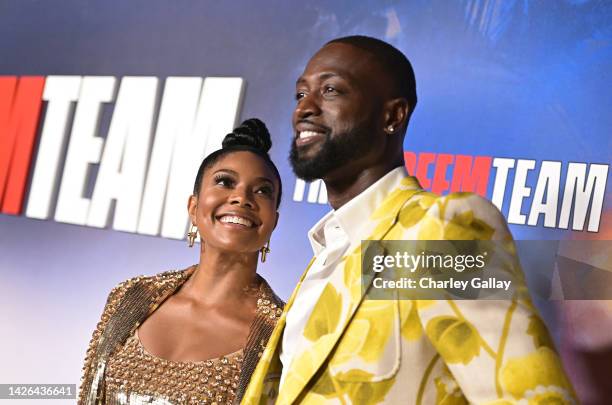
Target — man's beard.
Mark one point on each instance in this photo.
(333, 154)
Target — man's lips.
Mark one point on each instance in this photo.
(308, 133)
(308, 137)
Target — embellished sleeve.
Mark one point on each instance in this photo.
(497, 351)
(89, 368)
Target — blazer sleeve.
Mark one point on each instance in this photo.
(496, 350)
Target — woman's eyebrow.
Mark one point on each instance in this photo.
(235, 173)
(266, 179)
(230, 171)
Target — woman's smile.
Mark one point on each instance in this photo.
(237, 221)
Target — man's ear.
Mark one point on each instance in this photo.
(192, 208)
(397, 112)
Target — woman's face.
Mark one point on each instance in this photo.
(236, 207)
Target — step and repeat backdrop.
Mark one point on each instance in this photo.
(107, 108)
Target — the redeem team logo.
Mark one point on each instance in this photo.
(582, 192)
(156, 139)
(555, 203)
(145, 171)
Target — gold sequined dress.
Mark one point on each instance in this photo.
(119, 370)
(136, 376)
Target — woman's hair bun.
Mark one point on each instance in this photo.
(251, 133)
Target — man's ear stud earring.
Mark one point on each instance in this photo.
(390, 128)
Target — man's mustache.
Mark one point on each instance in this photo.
(313, 126)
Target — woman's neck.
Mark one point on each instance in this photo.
(222, 277)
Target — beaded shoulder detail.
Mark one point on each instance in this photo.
(268, 308)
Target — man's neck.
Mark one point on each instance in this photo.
(342, 190)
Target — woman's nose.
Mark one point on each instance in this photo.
(242, 198)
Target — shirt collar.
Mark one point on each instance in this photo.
(316, 235)
(352, 216)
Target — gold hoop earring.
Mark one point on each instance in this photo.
(264, 251)
(191, 235)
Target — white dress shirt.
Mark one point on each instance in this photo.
(330, 239)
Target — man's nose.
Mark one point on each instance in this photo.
(307, 106)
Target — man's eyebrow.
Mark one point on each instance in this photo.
(322, 76)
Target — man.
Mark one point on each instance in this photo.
(334, 345)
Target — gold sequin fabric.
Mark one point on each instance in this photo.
(111, 376)
(134, 374)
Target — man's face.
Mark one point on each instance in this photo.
(338, 115)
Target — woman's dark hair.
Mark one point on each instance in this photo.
(251, 136)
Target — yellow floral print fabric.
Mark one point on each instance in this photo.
(417, 352)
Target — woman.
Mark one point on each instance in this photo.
(195, 335)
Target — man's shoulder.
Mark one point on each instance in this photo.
(459, 215)
(461, 201)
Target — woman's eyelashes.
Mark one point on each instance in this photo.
(224, 180)
(227, 181)
(266, 190)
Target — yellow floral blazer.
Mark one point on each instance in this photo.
(416, 352)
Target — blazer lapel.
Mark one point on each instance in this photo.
(341, 297)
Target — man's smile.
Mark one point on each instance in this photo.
(308, 137)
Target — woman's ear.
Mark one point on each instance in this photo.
(276, 222)
(192, 208)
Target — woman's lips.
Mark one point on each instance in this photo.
(236, 221)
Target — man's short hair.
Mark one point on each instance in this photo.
(395, 63)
